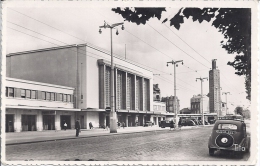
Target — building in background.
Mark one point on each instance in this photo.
(214, 89)
(83, 72)
(156, 92)
(170, 104)
(185, 111)
(196, 104)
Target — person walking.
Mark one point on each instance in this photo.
(123, 125)
(65, 126)
(171, 124)
(77, 127)
(90, 125)
(179, 124)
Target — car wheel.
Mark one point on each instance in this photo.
(211, 151)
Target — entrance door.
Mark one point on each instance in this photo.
(129, 121)
(28, 122)
(9, 123)
(154, 121)
(48, 122)
(82, 122)
(107, 121)
(63, 119)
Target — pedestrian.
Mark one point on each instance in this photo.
(89, 124)
(123, 125)
(65, 126)
(118, 125)
(171, 124)
(179, 124)
(77, 127)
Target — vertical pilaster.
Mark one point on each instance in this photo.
(57, 121)
(102, 86)
(18, 121)
(126, 120)
(39, 123)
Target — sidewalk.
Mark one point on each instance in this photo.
(51, 135)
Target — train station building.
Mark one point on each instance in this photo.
(46, 88)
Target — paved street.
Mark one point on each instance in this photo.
(189, 144)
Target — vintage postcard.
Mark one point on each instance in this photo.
(129, 82)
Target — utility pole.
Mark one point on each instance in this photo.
(175, 99)
(113, 123)
(226, 100)
(202, 112)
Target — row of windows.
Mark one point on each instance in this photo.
(159, 108)
(33, 94)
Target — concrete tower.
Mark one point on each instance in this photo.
(214, 90)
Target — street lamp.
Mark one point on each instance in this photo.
(201, 80)
(226, 100)
(113, 123)
(175, 100)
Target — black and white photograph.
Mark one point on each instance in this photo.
(109, 82)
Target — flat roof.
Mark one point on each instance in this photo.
(38, 83)
(74, 45)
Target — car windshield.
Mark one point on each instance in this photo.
(227, 126)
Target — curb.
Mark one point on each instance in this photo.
(97, 135)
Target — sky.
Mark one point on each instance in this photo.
(150, 46)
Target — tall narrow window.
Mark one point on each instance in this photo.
(43, 95)
(69, 98)
(33, 94)
(145, 95)
(129, 93)
(65, 98)
(119, 90)
(60, 97)
(48, 96)
(22, 93)
(52, 96)
(10, 92)
(138, 95)
(107, 82)
(28, 93)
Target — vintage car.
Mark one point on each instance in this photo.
(148, 123)
(229, 134)
(167, 123)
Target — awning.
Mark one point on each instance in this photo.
(93, 110)
(41, 108)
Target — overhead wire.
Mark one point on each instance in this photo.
(78, 38)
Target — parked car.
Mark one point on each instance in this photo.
(167, 123)
(229, 134)
(148, 123)
(188, 122)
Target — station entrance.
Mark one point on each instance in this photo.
(9, 123)
(65, 119)
(28, 122)
(48, 122)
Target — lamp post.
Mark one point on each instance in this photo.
(226, 100)
(175, 100)
(202, 112)
(113, 124)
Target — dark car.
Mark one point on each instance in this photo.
(229, 134)
(167, 123)
(148, 123)
(188, 122)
